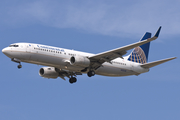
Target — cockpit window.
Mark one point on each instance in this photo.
(14, 46)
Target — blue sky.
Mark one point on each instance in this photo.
(92, 26)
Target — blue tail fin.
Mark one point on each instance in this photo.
(140, 54)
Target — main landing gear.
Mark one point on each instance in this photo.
(72, 80)
(91, 73)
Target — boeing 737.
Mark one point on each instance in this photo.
(63, 63)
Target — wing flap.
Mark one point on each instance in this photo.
(155, 63)
(65, 73)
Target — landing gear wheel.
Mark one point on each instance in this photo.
(72, 80)
(91, 73)
(19, 66)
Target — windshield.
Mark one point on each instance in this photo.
(14, 46)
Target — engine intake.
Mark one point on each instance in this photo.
(79, 61)
(48, 72)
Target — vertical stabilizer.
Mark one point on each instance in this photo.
(140, 54)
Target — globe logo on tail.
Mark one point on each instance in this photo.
(138, 56)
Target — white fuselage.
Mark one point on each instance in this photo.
(60, 58)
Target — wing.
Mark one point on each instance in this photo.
(98, 59)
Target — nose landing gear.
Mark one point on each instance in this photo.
(17, 61)
(19, 66)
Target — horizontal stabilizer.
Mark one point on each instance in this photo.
(152, 64)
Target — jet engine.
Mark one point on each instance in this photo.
(79, 61)
(48, 72)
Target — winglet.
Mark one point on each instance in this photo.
(158, 31)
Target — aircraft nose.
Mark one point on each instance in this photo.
(4, 51)
(7, 51)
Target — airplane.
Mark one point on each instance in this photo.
(63, 63)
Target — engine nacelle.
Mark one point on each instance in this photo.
(79, 61)
(48, 72)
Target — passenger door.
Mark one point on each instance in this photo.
(28, 48)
